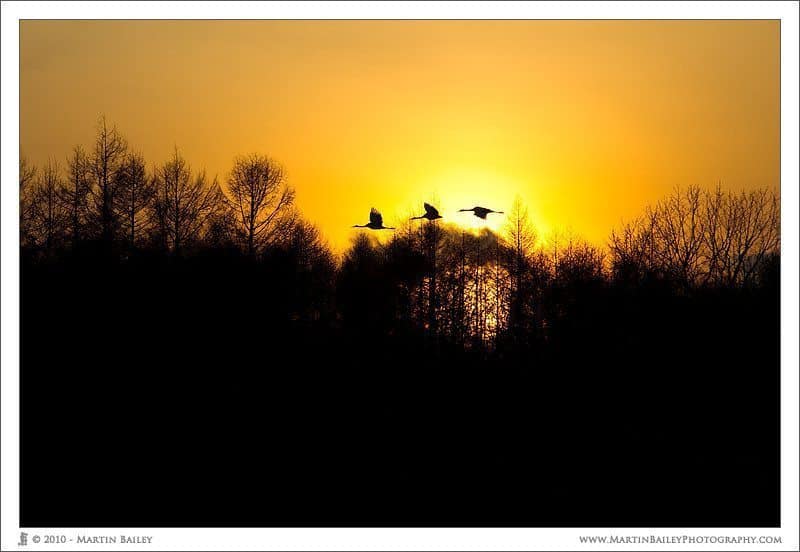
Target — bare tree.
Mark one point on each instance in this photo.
(678, 232)
(521, 237)
(108, 155)
(575, 260)
(260, 199)
(714, 238)
(632, 250)
(27, 174)
(519, 230)
(48, 217)
(134, 193)
(741, 231)
(76, 191)
(182, 204)
(432, 240)
(221, 232)
(308, 245)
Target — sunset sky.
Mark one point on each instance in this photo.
(587, 121)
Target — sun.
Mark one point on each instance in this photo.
(467, 187)
(455, 187)
(494, 221)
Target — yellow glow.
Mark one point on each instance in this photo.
(587, 121)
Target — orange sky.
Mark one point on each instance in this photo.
(587, 121)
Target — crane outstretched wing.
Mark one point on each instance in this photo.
(375, 217)
(431, 210)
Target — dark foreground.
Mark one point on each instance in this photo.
(180, 396)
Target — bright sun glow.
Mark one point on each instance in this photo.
(468, 187)
(587, 122)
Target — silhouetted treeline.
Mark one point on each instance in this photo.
(108, 198)
(193, 353)
(513, 287)
(474, 289)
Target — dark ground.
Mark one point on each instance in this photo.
(177, 394)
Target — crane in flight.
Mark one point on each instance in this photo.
(481, 212)
(431, 213)
(375, 221)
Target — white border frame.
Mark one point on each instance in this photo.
(412, 538)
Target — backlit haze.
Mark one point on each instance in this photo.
(586, 121)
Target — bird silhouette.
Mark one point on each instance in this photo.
(481, 212)
(431, 213)
(375, 221)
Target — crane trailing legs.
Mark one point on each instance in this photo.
(481, 212)
(375, 221)
(431, 213)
